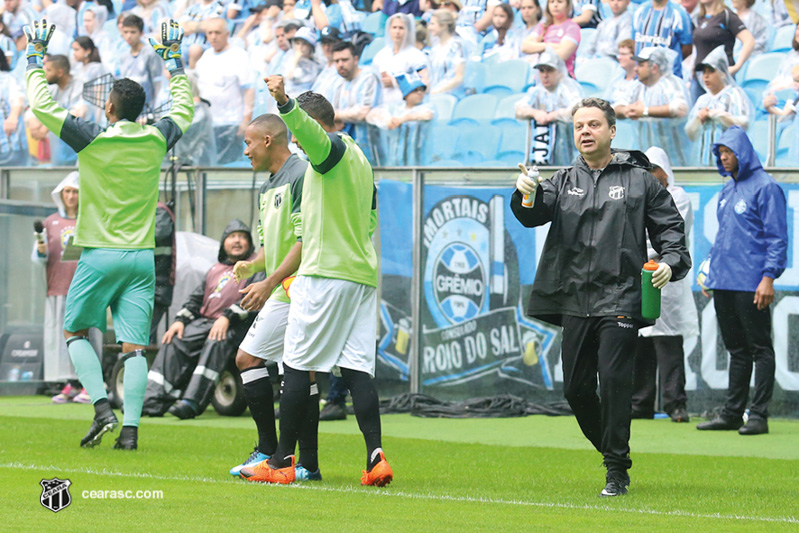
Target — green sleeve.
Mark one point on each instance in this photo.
(44, 107)
(74, 131)
(324, 150)
(182, 111)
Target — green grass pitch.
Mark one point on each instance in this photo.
(522, 474)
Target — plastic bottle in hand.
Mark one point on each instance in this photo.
(532, 173)
(650, 295)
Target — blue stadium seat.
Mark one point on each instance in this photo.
(506, 108)
(474, 109)
(783, 39)
(444, 104)
(763, 67)
(754, 89)
(513, 137)
(371, 50)
(587, 40)
(500, 91)
(477, 143)
(598, 71)
(445, 141)
(758, 134)
(375, 23)
(625, 135)
(511, 75)
(474, 77)
(589, 89)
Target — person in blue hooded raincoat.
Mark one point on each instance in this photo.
(749, 253)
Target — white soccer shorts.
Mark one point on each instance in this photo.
(332, 322)
(265, 336)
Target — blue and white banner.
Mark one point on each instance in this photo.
(478, 264)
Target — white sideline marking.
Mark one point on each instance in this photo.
(407, 495)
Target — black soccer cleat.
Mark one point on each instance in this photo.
(721, 423)
(333, 411)
(182, 410)
(616, 484)
(128, 438)
(100, 426)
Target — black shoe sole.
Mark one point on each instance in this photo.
(111, 426)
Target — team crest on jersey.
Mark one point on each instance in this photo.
(224, 280)
(66, 233)
(616, 192)
(278, 199)
(55, 494)
(740, 207)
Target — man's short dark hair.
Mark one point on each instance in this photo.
(133, 21)
(128, 99)
(59, 61)
(599, 103)
(345, 45)
(318, 108)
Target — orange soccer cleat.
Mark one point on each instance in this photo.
(263, 473)
(380, 475)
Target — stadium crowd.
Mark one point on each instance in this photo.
(420, 82)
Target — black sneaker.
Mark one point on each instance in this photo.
(755, 426)
(680, 414)
(333, 411)
(100, 426)
(182, 410)
(721, 423)
(617, 484)
(128, 438)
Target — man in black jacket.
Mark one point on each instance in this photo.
(589, 276)
(204, 335)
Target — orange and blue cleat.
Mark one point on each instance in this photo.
(264, 473)
(380, 475)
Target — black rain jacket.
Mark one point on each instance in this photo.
(596, 246)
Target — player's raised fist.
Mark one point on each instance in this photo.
(38, 34)
(277, 89)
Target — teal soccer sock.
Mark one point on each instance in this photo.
(134, 387)
(87, 365)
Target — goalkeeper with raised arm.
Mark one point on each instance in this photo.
(119, 171)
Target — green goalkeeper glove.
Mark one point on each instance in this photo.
(38, 38)
(169, 49)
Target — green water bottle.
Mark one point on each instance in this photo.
(650, 295)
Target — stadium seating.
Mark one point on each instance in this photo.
(506, 108)
(474, 109)
(589, 89)
(371, 50)
(783, 39)
(625, 135)
(476, 143)
(513, 137)
(598, 71)
(444, 104)
(758, 134)
(375, 23)
(510, 76)
(587, 41)
(474, 77)
(754, 89)
(763, 67)
(445, 140)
